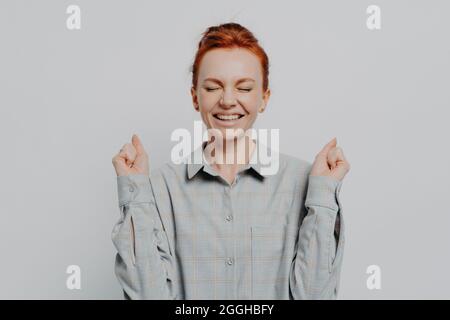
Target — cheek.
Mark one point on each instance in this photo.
(207, 102)
(251, 103)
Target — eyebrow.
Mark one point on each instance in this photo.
(220, 82)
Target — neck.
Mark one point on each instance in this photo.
(228, 156)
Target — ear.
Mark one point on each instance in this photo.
(266, 97)
(194, 99)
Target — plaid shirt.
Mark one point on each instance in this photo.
(198, 237)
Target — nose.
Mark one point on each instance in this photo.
(228, 99)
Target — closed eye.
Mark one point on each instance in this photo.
(241, 89)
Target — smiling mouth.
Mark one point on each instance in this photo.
(228, 117)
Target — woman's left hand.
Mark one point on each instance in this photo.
(330, 162)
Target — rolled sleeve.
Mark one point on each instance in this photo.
(144, 263)
(134, 188)
(324, 192)
(315, 273)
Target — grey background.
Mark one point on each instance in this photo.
(70, 99)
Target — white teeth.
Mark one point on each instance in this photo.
(224, 117)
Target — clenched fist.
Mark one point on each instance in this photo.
(330, 162)
(131, 159)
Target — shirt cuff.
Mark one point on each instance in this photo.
(134, 188)
(323, 191)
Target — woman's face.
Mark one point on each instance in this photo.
(229, 91)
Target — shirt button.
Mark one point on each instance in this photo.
(229, 261)
(131, 189)
(229, 217)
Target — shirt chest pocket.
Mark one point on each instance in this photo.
(272, 253)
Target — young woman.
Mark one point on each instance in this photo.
(215, 230)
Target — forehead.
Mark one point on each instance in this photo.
(229, 64)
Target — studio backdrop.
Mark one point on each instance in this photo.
(78, 78)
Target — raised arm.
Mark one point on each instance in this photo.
(144, 264)
(315, 271)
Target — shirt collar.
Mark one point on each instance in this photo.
(198, 161)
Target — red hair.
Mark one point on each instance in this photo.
(230, 35)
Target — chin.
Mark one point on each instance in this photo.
(234, 135)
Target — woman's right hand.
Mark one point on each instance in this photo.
(131, 159)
